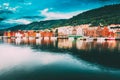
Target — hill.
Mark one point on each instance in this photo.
(39, 25)
(106, 15)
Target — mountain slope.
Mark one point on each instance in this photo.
(39, 25)
(105, 15)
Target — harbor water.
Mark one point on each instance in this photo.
(62, 59)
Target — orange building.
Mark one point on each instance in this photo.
(46, 34)
(105, 32)
(99, 32)
(5, 33)
(9, 34)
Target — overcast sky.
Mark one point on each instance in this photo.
(26, 11)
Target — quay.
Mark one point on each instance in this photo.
(62, 37)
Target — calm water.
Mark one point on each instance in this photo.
(62, 59)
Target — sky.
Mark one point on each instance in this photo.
(15, 12)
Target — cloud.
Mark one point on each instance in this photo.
(13, 8)
(28, 3)
(57, 15)
(6, 4)
(17, 21)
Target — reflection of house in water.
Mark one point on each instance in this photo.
(65, 43)
(25, 40)
(46, 41)
(111, 44)
(79, 44)
(9, 41)
(38, 41)
(32, 41)
(18, 41)
(84, 45)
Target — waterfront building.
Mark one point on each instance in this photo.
(79, 31)
(8, 34)
(105, 32)
(69, 31)
(5, 34)
(74, 32)
(38, 35)
(118, 34)
(99, 31)
(18, 34)
(26, 34)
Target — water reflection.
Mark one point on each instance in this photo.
(38, 41)
(35, 62)
(67, 43)
(24, 55)
(25, 58)
(99, 52)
